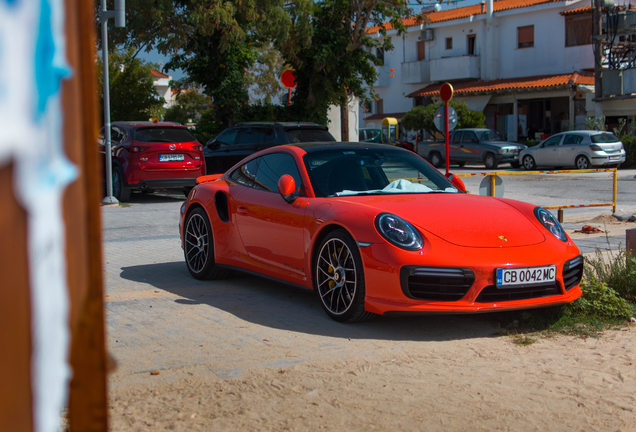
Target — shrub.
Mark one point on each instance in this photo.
(618, 272)
(630, 149)
(599, 300)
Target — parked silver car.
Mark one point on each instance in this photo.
(582, 149)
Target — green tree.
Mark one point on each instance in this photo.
(132, 95)
(190, 106)
(332, 52)
(422, 117)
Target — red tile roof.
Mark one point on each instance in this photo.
(584, 9)
(508, 84)
(155, 73)
(463, 12)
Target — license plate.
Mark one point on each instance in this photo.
(612, 158)
(171, 157)
(525, 275)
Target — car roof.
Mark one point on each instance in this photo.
(137, 124)
(284, 124)
(331, 145)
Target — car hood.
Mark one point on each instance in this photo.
(460, 219)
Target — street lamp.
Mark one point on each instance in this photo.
(120, 21)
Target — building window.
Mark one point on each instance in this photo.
(379, 108)
(379, 53)
(449, 43)
(471, 39)
(525, 36)
(578, 30)
(421, 50)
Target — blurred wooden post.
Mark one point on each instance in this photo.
(87, 398)
(630, 241)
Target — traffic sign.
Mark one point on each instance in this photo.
(288, 79)
(446, 92)
(439, 118)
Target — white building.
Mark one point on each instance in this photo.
(161, 83)
(521, 62)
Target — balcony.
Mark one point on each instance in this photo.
(454, 68)
(418, 72)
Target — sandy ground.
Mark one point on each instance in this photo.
(479, 384)
(446, 374)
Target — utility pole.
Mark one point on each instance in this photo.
(598, 52)
(120, 21)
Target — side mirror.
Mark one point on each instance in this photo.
(456, 181)
(286, 187)
(213, 145)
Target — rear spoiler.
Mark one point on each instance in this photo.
(208, 178)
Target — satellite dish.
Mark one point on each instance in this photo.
(438, 7)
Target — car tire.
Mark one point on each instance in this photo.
(528, 163)
(461, 164)
(515, 165)
(120, 191)
(490, 161)
(198, 247)
(436, 159)
(582, 163)
(339, 278)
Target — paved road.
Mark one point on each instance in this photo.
(159, 317)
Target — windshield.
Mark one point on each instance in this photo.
(604, 137)
(167, 134)
(365, 171)
(490, 135)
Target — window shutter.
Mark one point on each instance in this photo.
(421, 50)
(526, 36)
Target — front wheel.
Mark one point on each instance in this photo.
(436, 159)
(461, 164)
(198, 247)
(339, 278)
(490, 161)
(582, 163)
(529, 163)
(515, 164)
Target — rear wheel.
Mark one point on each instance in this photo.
(461, 164)
(199, 247)
(436, 159)
(339, 278)
(515, 164)
(490, 161)
(119, 190)
(529, 163)
(582, 163)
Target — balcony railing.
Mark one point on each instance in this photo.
(418, 72)
(453, 68)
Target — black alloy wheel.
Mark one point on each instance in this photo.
(339, 278)
(198, 247)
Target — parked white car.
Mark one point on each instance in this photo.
(582, 149)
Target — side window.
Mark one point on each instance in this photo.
(227, 137)
(469, 137)
(272, 167)
(266, 135)
(554, 141)
(457, 136)
(572, 139)
(246, 173)
(248, 136)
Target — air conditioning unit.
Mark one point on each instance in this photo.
(427, 35)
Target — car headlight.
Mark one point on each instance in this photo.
(550, 223)
(398, 232)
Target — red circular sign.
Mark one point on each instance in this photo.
(288, 79)
(446, 92)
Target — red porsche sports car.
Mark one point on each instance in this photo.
(374, 229)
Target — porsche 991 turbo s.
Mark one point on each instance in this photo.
(374, 229)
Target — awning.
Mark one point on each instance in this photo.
(475, 103)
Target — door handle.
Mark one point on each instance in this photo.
(242, 210)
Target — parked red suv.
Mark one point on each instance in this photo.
(153, 155)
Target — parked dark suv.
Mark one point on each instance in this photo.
(240, 141)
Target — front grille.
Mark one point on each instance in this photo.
(492, 293)
(436, 283)
(573, 272)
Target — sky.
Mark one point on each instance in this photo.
(156, 57)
